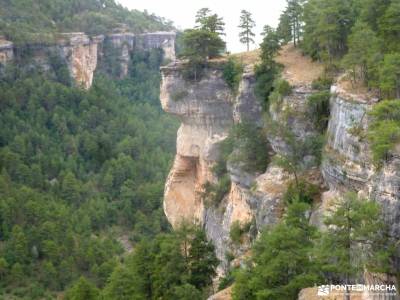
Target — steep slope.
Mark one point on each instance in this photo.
(208, 109)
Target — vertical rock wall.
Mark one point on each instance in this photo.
(6, 51)
(81, 53)
(207, 110)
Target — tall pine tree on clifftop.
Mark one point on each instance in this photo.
(246, 24)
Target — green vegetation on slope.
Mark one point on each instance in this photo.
(24, 21)
(77, 168)
(293, 255)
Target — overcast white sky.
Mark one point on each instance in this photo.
(182, 13)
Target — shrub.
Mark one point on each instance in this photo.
(319, 110)
(232, 73)
(383, 137)
(303, 191)
(251, 147)
(282, 87)
(213, 194)
(313, 146)
(384, 129)
(226, 281)
(322, 83)
(236, 232)
(265, 75)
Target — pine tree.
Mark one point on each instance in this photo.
(389, 75)
(284, 30)
(3, 268)
(208, 21)
(389, 26)
(246, 24)
(82, 290)
(364, 53)
(187, 292)
(293, 12)
(355, 239)
(71, 189)
(17, 248)
(121, 285)
(202, 260)
(281, 262)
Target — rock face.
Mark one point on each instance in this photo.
(126, 43)
(291, 115)
(82, 53)
(348, 164)
(6, 51)
(207, 110)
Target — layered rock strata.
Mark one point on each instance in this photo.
(207, 110)
(348, 165)
(82, 53)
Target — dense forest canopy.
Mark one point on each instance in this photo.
(82, 172)
(25, 21)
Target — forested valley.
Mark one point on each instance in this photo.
(83, 171)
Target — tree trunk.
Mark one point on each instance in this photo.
(248, 42)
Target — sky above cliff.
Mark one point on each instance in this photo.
(182, 13)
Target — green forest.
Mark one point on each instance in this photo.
(82, 172)
(31, 21)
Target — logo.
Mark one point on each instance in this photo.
(375, 289)
(323, 290)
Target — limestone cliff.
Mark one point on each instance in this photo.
(347, 164)
(82, 53)
(207, 110)
(126, 43)
(6, 51)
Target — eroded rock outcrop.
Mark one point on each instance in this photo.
(207, 110)
(82, 53)
(348, 165)
(6, 51)
(124, 44)
(347, 162)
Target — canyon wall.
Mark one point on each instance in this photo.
(348, 165)
(208, 109)
(82, 54)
